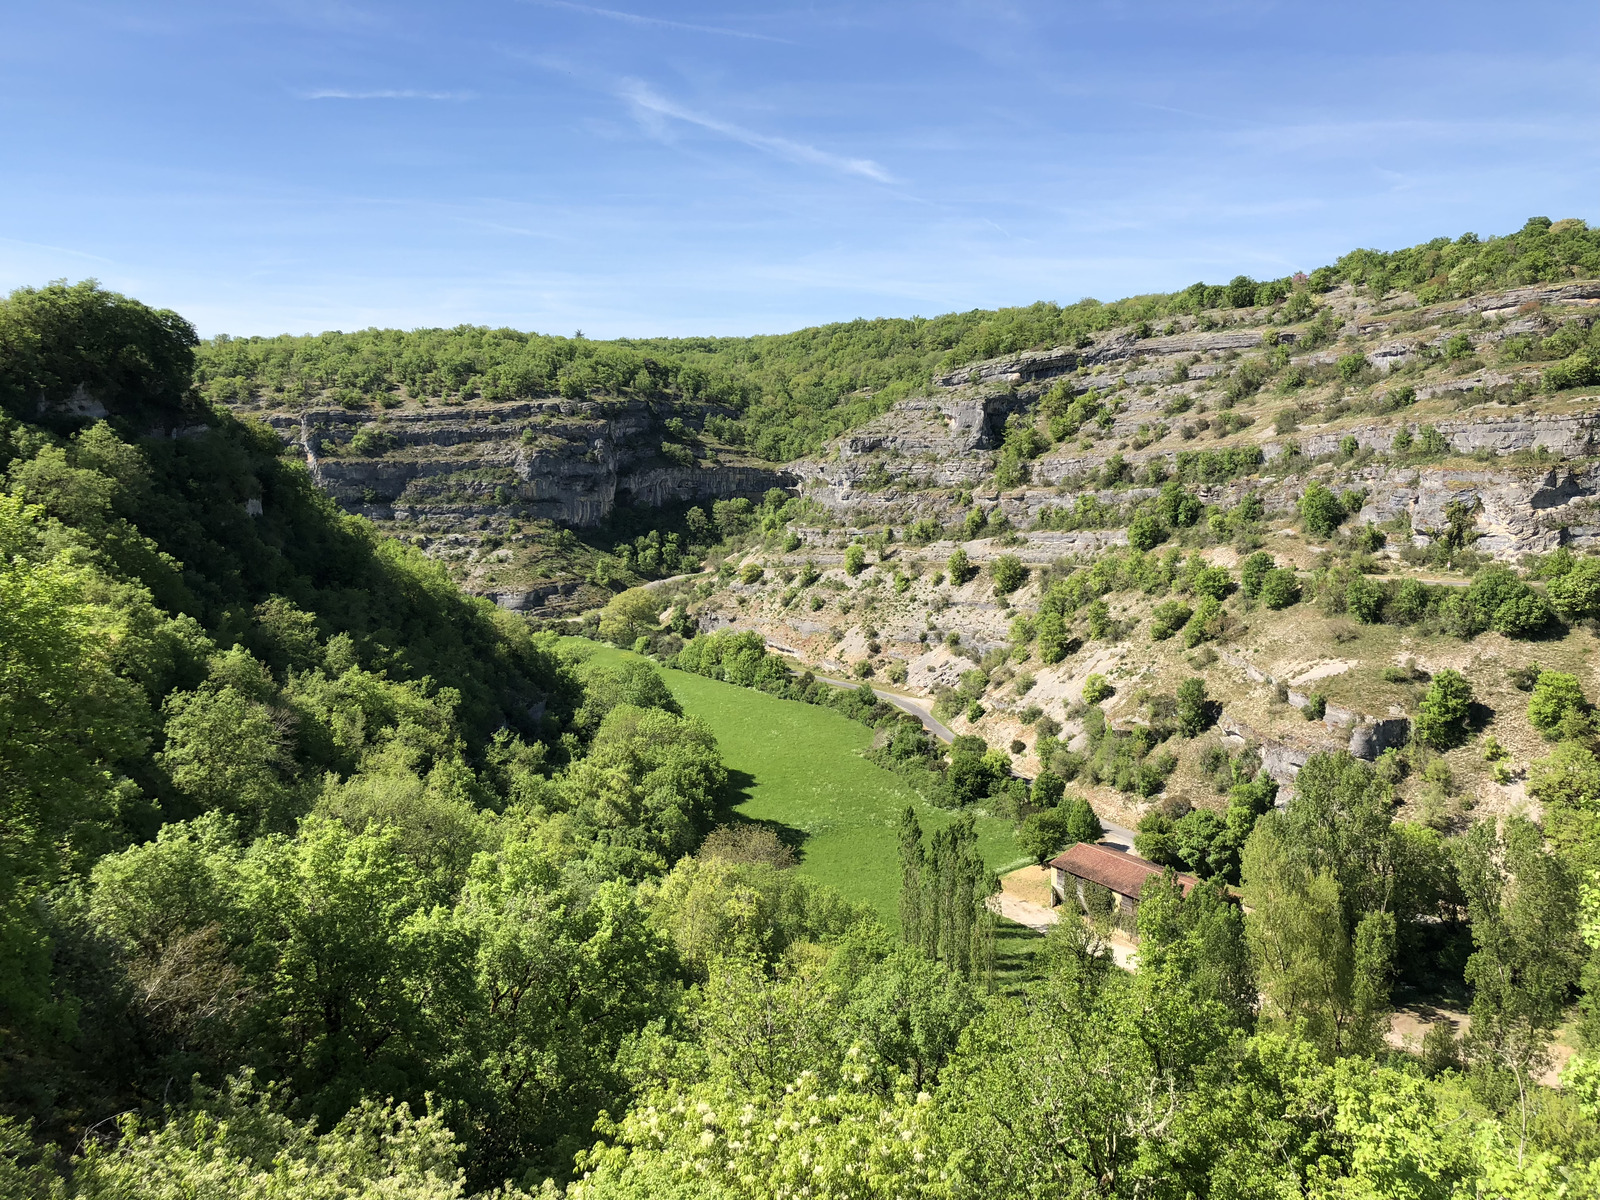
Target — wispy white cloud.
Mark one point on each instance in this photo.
(629, 18)
(383, 94)
(651, 108)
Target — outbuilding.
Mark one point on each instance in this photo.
(1123, 875)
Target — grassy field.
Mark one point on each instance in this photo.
(799, 767)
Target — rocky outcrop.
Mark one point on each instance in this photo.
(1364, 736)
(572, 462)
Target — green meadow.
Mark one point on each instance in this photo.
(799, 767)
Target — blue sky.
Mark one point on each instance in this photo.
(634, 168)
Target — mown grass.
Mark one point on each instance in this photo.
(800, 768)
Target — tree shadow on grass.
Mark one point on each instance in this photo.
(735, 792)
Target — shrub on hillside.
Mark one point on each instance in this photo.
(1253, 571)
(1557, 704)
(1214, 582)
(960, 567)
(1442, 715)
(1320, 511)
(1167, 618)
(1008, 574)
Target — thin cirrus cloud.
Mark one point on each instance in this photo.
(651, 108)
(382, 94)
(612, 14)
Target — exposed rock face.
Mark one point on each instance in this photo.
(568, 461)
(901, 466)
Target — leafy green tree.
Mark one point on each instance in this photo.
(1147, 531)
(909, 1014)
(243, 1142)
(1522, 903)
(1557, 699)
(855, 559)
(136, 361)
(70, 720)
(1576, 593)
(1194, 711)
(1320, 511)
(911, 866)
(1253, 573)
(226, 751)
(1096, 688)
(1048, 788)
(646, 790)
(1280, 588)
(1206, 623)
(713, 908)
(1045, 834)
(1308, 966)
(1008, 574)
(1053, 637)
(959, 566)
(1443, 714)
(629, 614)
(1212, 582)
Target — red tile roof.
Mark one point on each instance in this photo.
(1124, 874)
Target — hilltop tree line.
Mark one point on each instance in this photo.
(783, 395)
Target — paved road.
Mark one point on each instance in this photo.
(905, 704)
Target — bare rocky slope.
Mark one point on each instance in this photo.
(1435, 424)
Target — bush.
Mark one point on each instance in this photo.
(1363, 599)
(1576, 593)
(855, 559)
(1580, 370)
(1053, 638)
(1280, 588)
(751, 573)
(1214, 582)
(1097, 688)
(1523, 616)
(681, 455)
(1442, 715)
(960, 567)
(1557, 695)
(1167, 618)
(1204, 625)
(1498, 600)
(1320, 511)
(1008, 574)
(1194, 711)
(1350, 366)
(1253, 572)
(1146, 531)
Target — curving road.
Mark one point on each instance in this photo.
(904, 703)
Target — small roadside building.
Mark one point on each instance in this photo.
(1088, 865)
